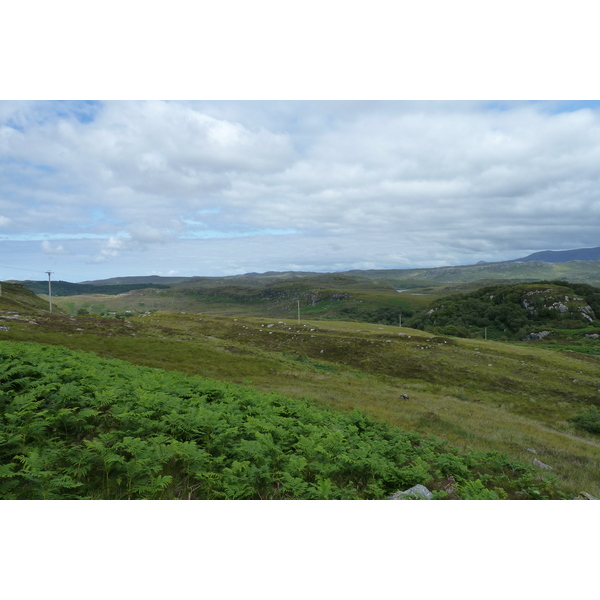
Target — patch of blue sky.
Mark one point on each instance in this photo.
(84, 111)
(48, 111)
(199, 213)
(549, 106)
(501, 105)
(562, 106)
(14, 125)
(19, 169)
(44, 168)
(40, 237)
(213, 234)
(97, 216)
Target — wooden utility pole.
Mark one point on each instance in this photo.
(50, 289)
(298, 312)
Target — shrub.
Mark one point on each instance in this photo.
(588, 420)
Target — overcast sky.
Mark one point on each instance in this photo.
(92, 190)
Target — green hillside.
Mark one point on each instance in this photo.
(375, 296)
(513, 312)
(74, 426)
(526, 401)
(520, 401)
(325, 296)
(15, 298)
(575, 271)
(64, 288)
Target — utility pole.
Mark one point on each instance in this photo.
(298, 312)
(400, 320)
(50, 289)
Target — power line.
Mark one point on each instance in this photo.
(35, 271)
(20, 269)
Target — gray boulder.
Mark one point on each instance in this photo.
(416, 492)
(532, 337)
(541, 465)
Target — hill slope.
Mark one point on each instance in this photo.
(513, 311)
(17, 298)
(561, 256)
(474, 394)
(98, 429)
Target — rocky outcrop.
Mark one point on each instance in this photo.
(532, 337)
(562, 303)
(529, 308)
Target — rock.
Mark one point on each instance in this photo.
(449, 485)
(531, 450)
(4, 328)
(585, 496)
(541, 465)
(404, 397)
(532, 337)
(416, 492)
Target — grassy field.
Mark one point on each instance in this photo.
(484, 395)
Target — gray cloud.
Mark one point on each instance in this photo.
(227, 187)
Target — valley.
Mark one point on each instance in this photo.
(344, 342)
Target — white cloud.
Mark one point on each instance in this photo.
(48, 248)
(343, 184)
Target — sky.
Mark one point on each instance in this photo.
(98, 189)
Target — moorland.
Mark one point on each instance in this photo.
(305, 385)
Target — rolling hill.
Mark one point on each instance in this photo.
(514, 311)
(521, 401)
(561, 256)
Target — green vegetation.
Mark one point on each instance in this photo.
(589, 420)
(75, 426)
(368, 296)
(15, 297)
(327, 296)
(483, 396)
(65, 288)
(511, 312)
(475, 395)
(507, 272)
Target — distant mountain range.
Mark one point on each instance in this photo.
(561, 256)
(141, 280)
(583, 266)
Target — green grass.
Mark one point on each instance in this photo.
(487, 396)
(74, 426)
(16, 298)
